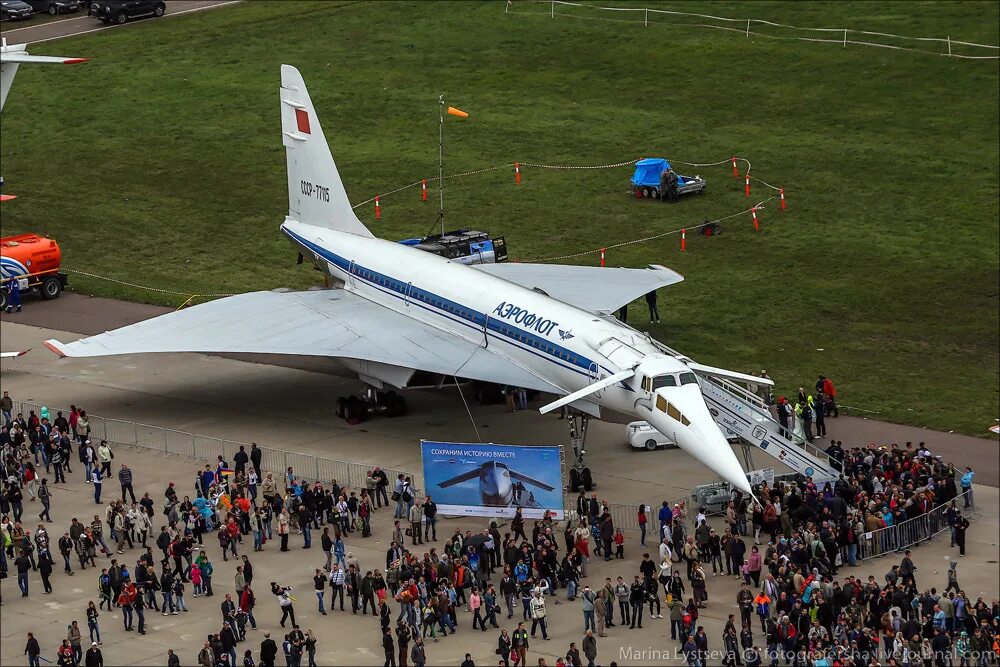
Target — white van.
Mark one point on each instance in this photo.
(641, 435)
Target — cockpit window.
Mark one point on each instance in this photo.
(688, 378)
(664, 381)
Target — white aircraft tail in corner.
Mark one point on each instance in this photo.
(15, 55)
(316, 195)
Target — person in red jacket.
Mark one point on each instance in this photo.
(830, 392)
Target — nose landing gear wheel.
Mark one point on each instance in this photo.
(579, 474)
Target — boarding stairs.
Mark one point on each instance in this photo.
(743, 415)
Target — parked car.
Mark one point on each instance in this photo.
(641, 435)
(15, 10)
(54, 6)
(122, 11)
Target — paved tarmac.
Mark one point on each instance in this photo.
(81, 24)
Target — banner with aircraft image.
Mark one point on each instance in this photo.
(473, 479)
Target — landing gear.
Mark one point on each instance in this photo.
(371, 403)
(579, 474)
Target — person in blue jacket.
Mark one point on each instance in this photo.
(13, 295)
(966, 481)
(665, 516)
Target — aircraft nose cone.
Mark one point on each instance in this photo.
(702, 438)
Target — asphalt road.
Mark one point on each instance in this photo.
(80, 23)
(92, 315)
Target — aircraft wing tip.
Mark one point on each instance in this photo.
(53, 345)
(74, 61)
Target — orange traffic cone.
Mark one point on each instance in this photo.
(683, 240)
(756, 225)
(602, 256)
(517, 174)
(781, 191)
(736, 172)
(423, 189)
(747, 182)
(378, 209)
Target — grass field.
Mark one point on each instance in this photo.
(160, 163)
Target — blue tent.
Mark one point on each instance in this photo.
(647, 172)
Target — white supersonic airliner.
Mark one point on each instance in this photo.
(397, 309)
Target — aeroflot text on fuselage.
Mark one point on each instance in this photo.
(519, 315)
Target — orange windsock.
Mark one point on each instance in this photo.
(457, 112)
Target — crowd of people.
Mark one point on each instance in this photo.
(791, 603)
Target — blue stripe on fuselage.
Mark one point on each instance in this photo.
(454, 311)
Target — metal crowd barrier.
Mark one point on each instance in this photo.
(207, 448)
(901, 536)
(626, 517)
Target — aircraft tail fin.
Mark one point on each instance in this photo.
(7, 73)
(316, 195)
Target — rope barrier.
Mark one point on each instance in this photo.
(537, 165)
(759, 207)
(497, 168)
(158, 290)
(746, 25)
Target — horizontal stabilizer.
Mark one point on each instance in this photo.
(23, 58)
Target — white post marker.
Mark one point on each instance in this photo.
(845, 38)
(748, 28)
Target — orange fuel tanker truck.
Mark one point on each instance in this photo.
(32, 260)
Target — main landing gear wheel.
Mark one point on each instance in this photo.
(579, 474)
